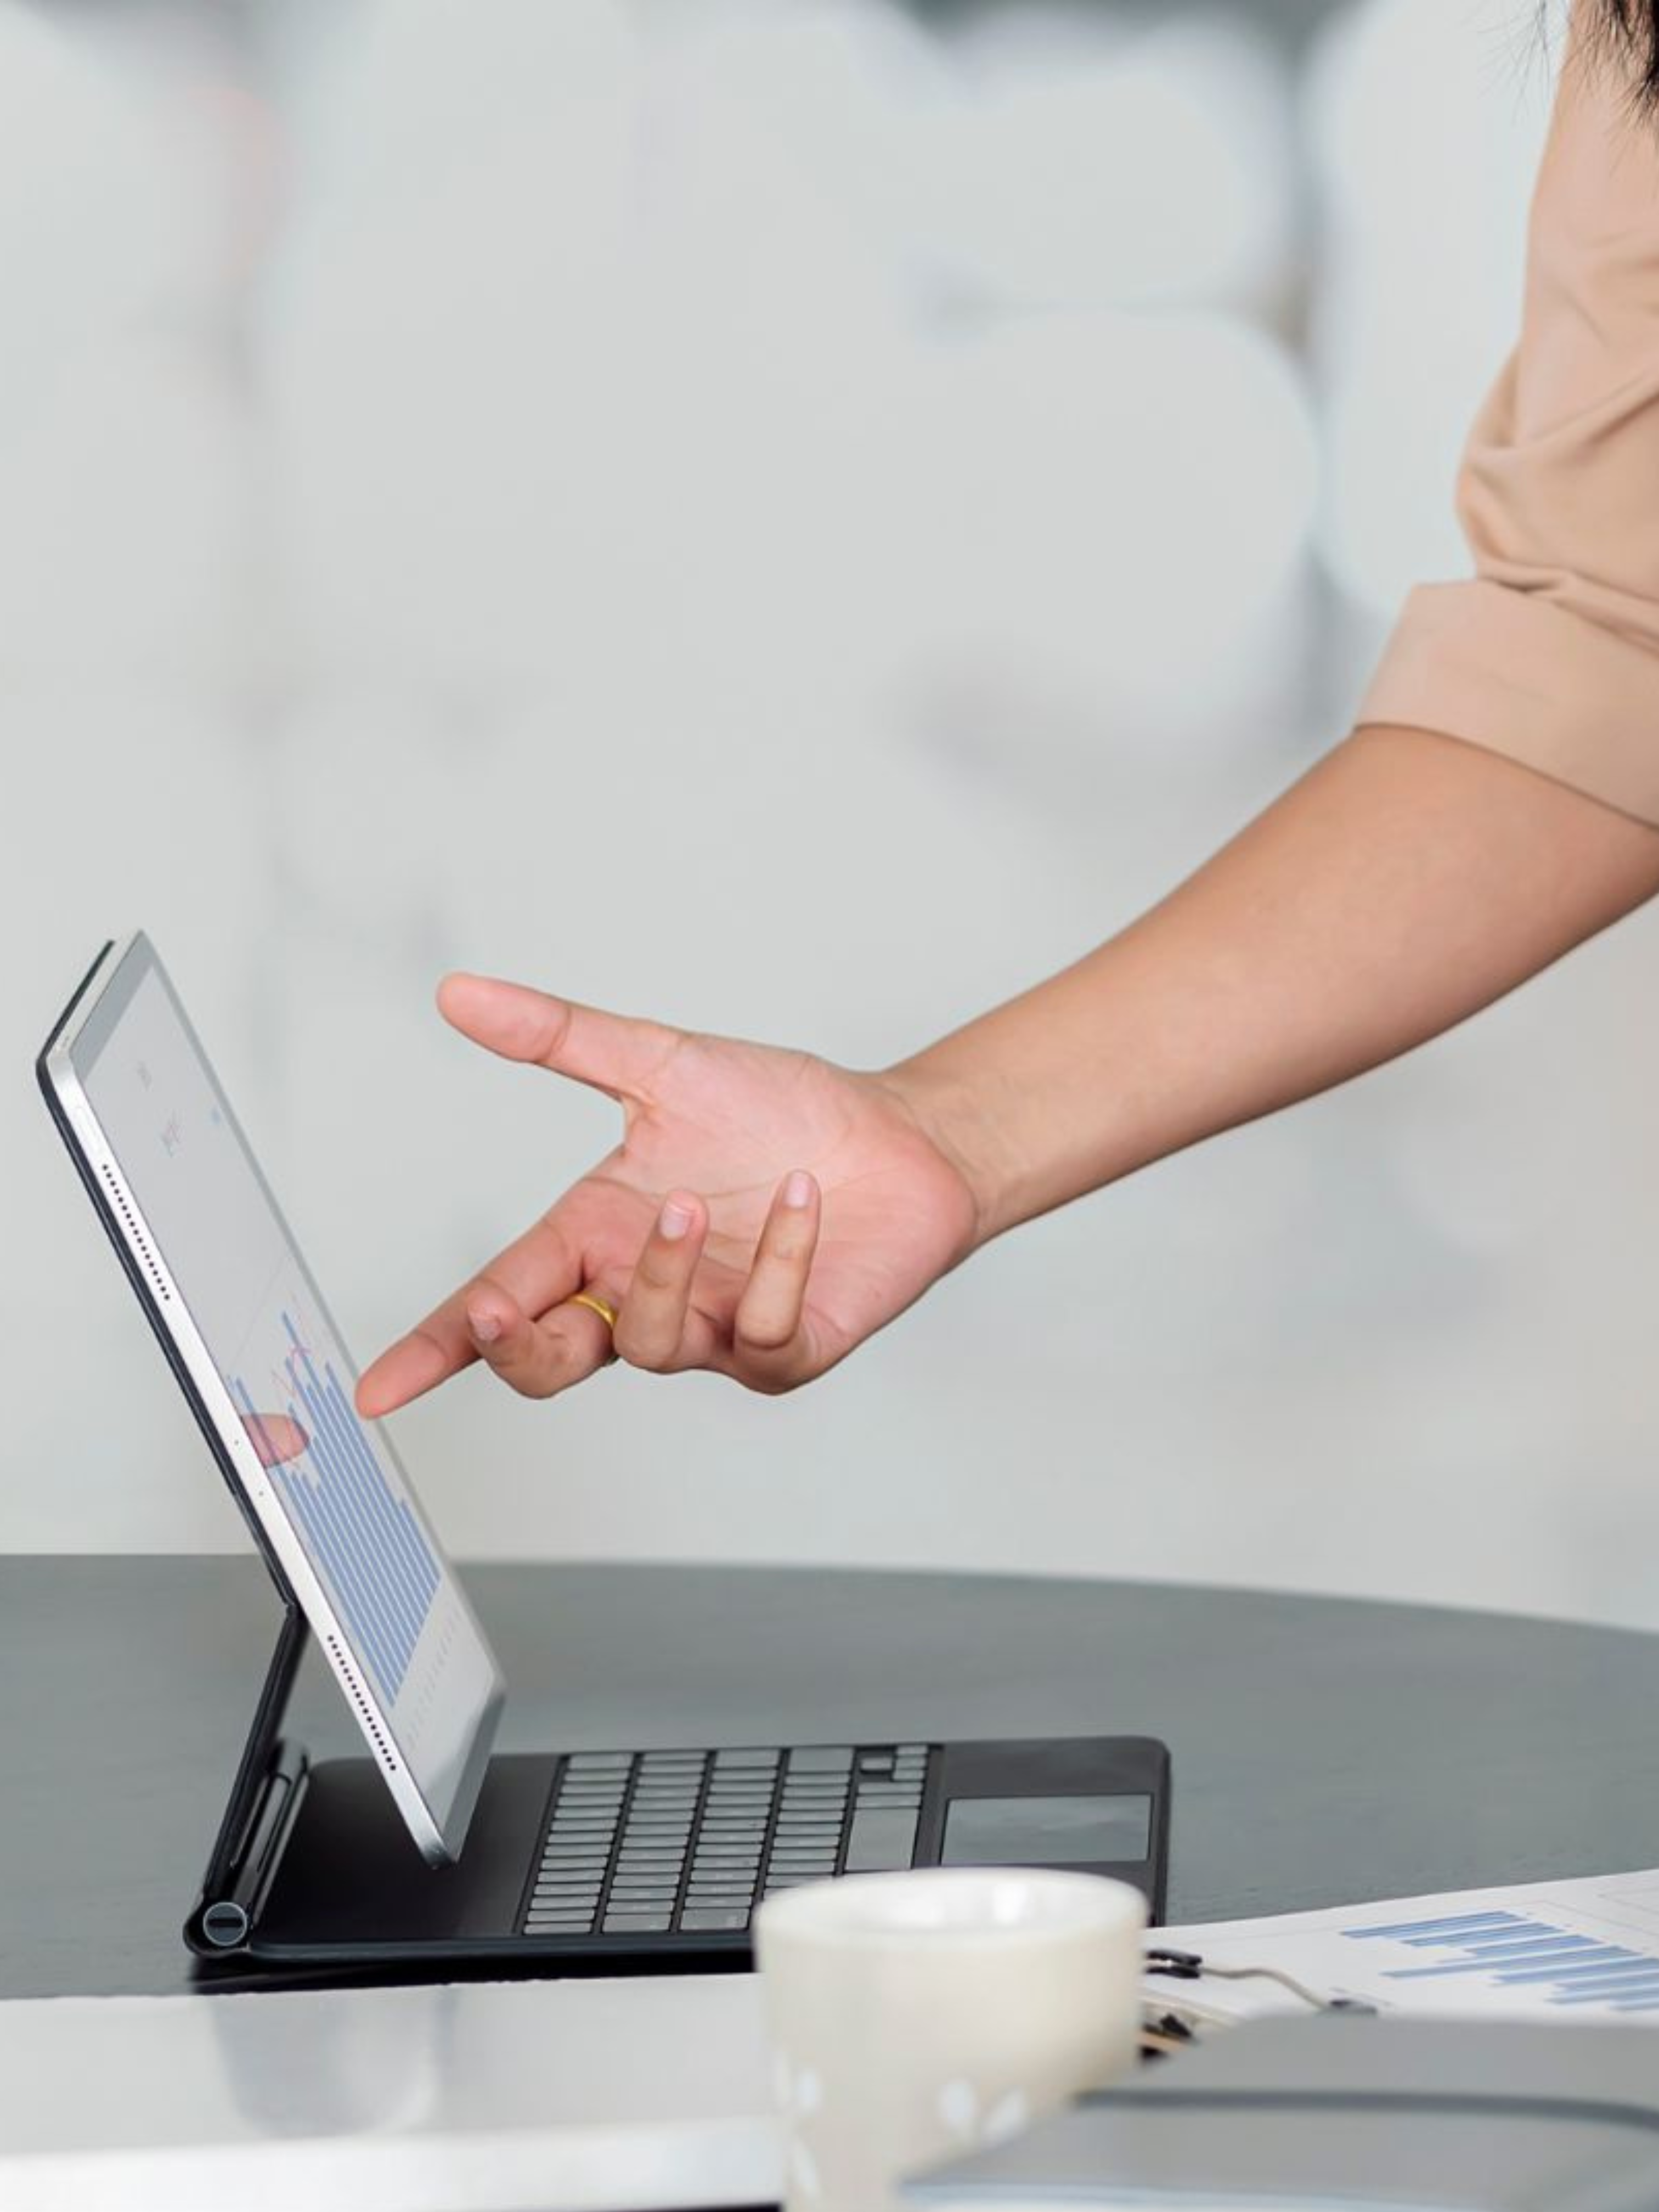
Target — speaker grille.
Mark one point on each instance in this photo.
(354, 1691)
(138, 1235)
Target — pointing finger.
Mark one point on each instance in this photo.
(535, 1271)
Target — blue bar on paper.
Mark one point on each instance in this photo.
(1451, 1930)
(1484, 1939)
(1632, 1962)
(1500, 1954)
(1576, 1950)
(1634, 1986)
(1579, 1968)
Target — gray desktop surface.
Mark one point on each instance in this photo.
(1324, 1750)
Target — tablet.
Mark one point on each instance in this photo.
(252, 1344)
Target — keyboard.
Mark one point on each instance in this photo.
(657, 1843)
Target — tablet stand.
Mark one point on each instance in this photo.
(264, 1799)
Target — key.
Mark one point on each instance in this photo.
(714, 1917)
(880, 1838)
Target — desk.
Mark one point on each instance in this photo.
(1324, 1750)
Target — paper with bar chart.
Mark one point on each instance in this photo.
(1584, 1949)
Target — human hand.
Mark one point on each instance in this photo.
(764, 1212)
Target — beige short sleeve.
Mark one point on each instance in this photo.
(1550, 653)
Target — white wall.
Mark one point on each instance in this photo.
(741, 512)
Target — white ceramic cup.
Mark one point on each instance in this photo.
(915, 2015)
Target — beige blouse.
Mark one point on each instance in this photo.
(1550, 653)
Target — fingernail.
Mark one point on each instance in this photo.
(675, 1219)
(484, 1326)
(798, 1187)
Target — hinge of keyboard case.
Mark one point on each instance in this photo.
(223, 1921)
(268, 1778)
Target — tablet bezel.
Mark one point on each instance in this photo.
(96, 1007)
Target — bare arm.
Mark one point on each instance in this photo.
(1406, 882)
(765, 1211)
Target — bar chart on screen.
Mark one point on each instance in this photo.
(1584, 1949)
(362, 1537)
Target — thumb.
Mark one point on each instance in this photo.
(611, 1051)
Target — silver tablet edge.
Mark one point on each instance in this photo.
(433, 1839)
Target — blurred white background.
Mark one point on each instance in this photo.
(795, 517)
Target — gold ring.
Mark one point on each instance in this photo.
(595, 1303)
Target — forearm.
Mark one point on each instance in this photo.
(1406, 882)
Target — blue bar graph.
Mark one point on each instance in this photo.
(365, 1542)
(1511, 1950)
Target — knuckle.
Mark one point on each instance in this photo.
(641, 1350)
(787, 1247)
(761, 1331)
(536, 1382)
(534, 1365)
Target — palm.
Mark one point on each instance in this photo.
(729, 1120)
(759, 1285)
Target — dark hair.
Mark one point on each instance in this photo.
(1633, 26)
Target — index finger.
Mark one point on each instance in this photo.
(539, 1268)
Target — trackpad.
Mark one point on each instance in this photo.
(1047, 1830)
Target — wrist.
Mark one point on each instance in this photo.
(958, 1110)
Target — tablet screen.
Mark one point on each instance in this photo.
(253, 1303)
